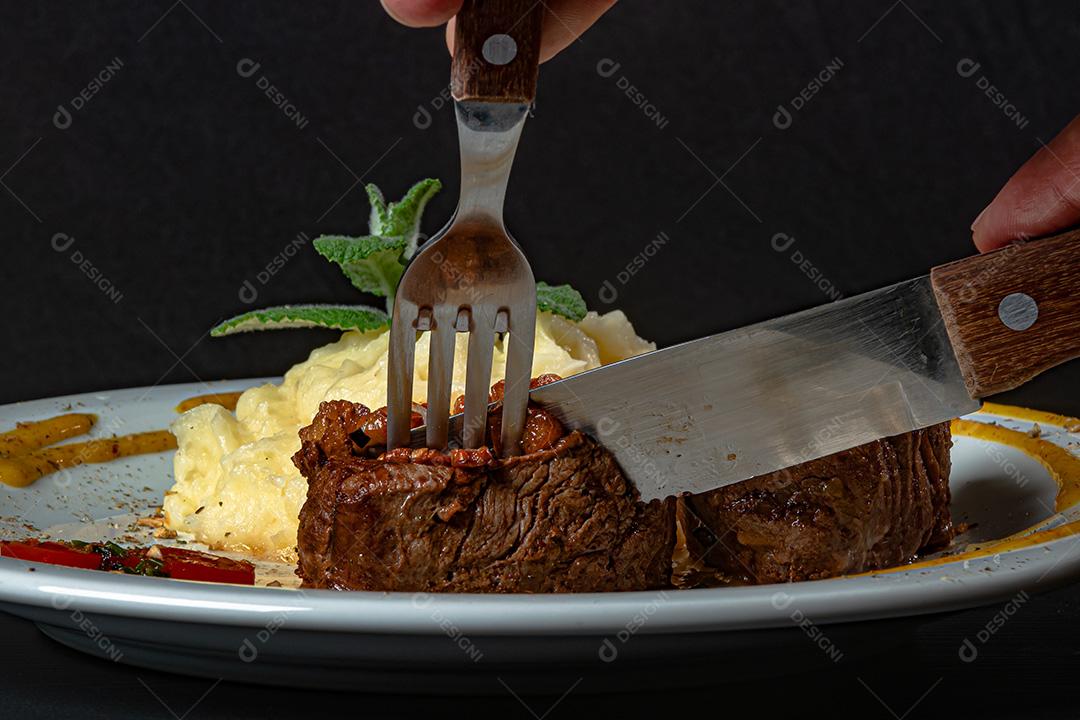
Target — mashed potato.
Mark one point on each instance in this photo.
(236, 487)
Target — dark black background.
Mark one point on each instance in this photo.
(180, 180)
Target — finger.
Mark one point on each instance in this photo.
(1041, 198)
(564, 21)
(422, 13)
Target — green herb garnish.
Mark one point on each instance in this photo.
(339, 317)
(115, 549)
(560, 300)
(401, 218)
(374, 264)
(148, 566)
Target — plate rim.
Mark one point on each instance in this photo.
(834, 600)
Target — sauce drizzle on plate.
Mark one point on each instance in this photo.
(29, 436)
(226, 400)
(29, 452)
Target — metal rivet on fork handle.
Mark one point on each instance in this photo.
(499, 49)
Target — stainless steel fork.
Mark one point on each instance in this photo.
(472, 276)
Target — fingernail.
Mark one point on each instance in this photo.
(979, 217)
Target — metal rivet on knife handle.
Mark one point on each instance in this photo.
(1018, 311)
(985, 300)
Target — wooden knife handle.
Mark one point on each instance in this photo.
(1014, 312)
(496, 50)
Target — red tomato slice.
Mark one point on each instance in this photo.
(183, 564)
(131, 558)
(52, 553)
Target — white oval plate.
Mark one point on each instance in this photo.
(487, 643)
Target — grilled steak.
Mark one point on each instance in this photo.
(870, 507)
(559, 518)
(562, 518)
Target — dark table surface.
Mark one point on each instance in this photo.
(1026, 670)
(182, 179)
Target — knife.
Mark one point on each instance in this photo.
(715, 411)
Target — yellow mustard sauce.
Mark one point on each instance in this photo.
(1016, 412)
(29, 452)
(29, 436)
(226, 400)
(1063, 466)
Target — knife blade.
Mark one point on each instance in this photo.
(721, 409)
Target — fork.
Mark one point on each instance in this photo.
(472, 276)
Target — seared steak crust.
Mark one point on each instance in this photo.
(870, 507)
(563, 519)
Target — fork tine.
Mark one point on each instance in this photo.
(440, 375)
(478, 378)
(399, 379)
(519, 353)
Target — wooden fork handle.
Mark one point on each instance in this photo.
(1012, 313)
(496, 50)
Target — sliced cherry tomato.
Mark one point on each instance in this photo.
(52, 553)
(159, 560)
(130, 559)
(183, 564)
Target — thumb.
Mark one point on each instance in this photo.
(421, 13)
(1041, 198)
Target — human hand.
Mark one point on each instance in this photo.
(564, 20)
(1043, 196)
